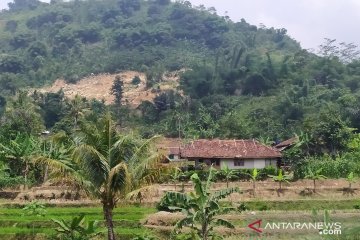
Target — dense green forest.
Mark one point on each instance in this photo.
(241, 81)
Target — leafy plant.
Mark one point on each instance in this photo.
(254, 176)
(351, 179)
(36, 209)
(227, 173)
(280, 178)
(201, 207)
(77, 229)
(110, 165)
(175, 176)
(314, 176)
(19, 151)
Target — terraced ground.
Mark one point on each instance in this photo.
(14, 225)
(131, 221)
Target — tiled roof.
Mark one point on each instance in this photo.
(287, 143)
(228, 149)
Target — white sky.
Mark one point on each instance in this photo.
(307, 21)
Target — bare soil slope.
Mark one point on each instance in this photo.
(98, 87)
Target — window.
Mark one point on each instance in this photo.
(239, 163)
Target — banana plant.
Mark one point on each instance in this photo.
(280, 178)
(77, 229)
(201, 207)
(227, 173)
(314, 175)
(350, 179)
(254, 175)
(175, 176)
(34, 209)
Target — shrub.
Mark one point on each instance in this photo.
(264, 207)
(136, 80)
(337, 167)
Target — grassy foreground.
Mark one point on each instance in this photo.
(127, 219)
(13, 225)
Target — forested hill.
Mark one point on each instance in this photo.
(242, 81)
(41, 42)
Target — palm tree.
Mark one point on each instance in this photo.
(280, 178)
(227, 173)
(314, 176)
(76, 108)
(201, 207)
(19, 151)
(112, 165)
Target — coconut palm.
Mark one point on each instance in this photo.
(314, 175)
(76, 108)
(201, 207)
(280, 178)
(112, 165)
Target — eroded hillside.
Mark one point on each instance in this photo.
(98, 87)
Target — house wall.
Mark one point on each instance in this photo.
(248, 163)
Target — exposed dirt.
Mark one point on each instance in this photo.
(303, 189)
(98, 87)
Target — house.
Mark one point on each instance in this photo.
(286, 144)
(170, 147)
(236, 154)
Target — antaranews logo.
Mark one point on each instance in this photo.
(254, 224)
(324, 228)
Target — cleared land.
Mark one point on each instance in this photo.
(98, 87)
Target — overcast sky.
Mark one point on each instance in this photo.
(307, 21)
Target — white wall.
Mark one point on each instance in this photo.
(248, 163)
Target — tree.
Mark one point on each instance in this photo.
(19, 151)
(76, 108)
(117, 90)
(314, 175)
(227, 173)
(56, 157)
(201, 207)
(111, 165)
(280, 178)
(22, 115)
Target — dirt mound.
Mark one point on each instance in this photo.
(163, 218)
(98, 87)
(49, 193)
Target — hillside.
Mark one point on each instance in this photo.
(98, 87)
(241, 81)
(43, 42)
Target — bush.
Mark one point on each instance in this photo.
(242, 207)
(264, 207)
(136, 80)
(338, 167)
